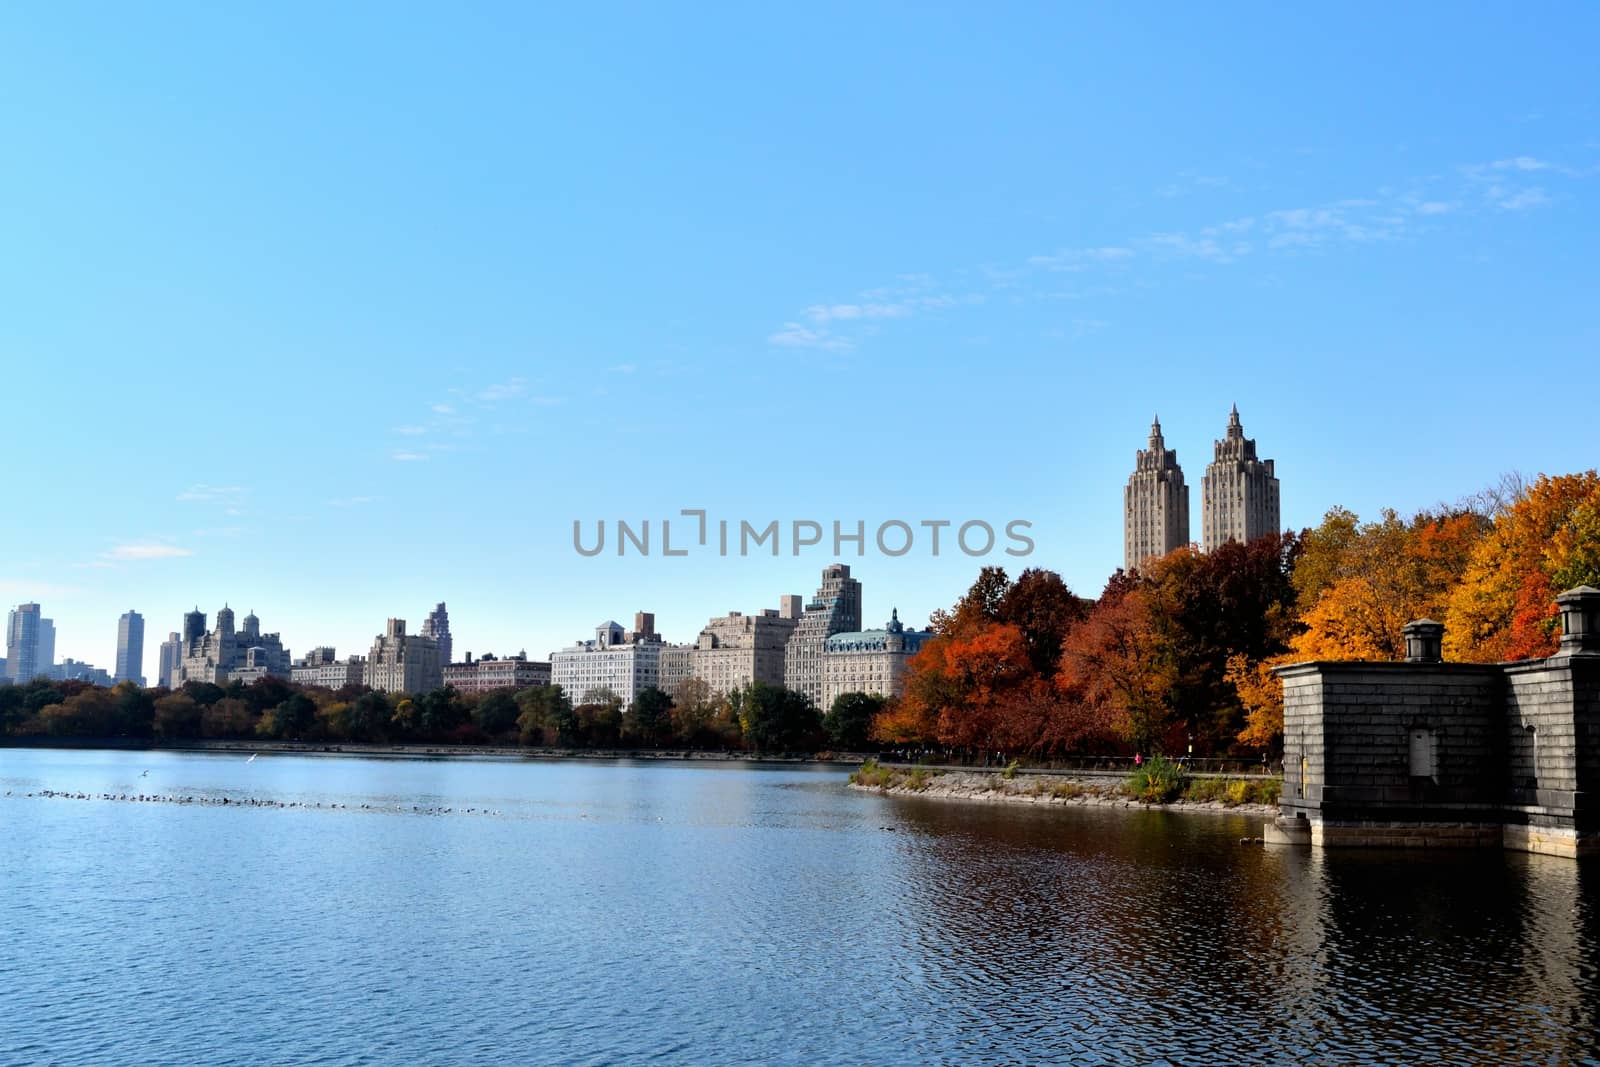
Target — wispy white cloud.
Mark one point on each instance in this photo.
(506, 390)
(1185, 246)
(350, 501)
(1519, 163)
(798, 335)
(1389, 213)
(409, 457)
(443, 409)
(146, 550)
(1080, 258)
(211, 492)
(547, 401)
(623, 368)
(1522, 200)
(411, 431)
(824, 313)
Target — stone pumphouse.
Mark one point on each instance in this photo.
(1426, 753)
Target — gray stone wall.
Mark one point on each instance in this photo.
(1361, 728)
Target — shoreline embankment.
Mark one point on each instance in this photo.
(1224, 795)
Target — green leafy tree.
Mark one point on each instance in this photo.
(648, 720)
(439, 712)
(136, 710)
(370, 716)
(850, 719)
(496, 714)
(176, 716)
(694, 712)
(546, 717)
(775, 719)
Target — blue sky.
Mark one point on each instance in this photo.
(335, 312)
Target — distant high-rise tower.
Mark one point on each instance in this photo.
(24, 638)
(437, 626)
(1155, 504)
(1239, 493)
(835, 609)
(47, 646)
(194, 625)
(171, 659)
(130, 649)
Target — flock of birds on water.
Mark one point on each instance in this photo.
(246, 802)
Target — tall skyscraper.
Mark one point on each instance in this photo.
(1155, 504)
(437, 626)
(23, 626)
(171, 659)
(1239, 493)
(835, 609)
(47, 646)
(130, 648)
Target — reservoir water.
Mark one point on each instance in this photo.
(505, 911)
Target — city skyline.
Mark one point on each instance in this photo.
(370, 342)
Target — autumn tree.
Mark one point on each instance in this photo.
(694, 711)
(1121, 670)
(1360, 583)
(1041, 605)
(984, 680)
(1543, 542)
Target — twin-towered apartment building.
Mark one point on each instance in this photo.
(1238, 497)
(816, 648)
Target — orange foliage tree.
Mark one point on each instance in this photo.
(1360, 584)
(1544, 541)
(983, 683)
(1117, 666)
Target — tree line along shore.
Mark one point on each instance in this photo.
(1173, 658)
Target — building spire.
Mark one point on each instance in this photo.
(1235, 428)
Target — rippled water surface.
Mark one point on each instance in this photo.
(377, 911)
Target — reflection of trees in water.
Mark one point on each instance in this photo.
(1039, 934)
(1111, 933)
(1443, 957)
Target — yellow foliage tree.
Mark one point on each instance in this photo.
(1364, 583)
(1546, 540)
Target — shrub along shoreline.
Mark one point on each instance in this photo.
(1159, 783)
